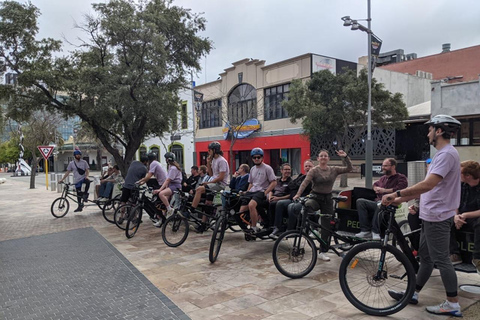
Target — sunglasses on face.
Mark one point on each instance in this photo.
(256, 157)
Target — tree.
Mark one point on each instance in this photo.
(38, 128)
(122, 80)
(9, 151)
(336, 106)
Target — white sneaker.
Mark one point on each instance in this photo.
(323, 256)
(169, 211)
(158, 224)
(364, 234)
(376, 236)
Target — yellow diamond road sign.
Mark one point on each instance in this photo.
(46, 151)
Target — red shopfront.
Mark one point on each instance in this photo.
(294, 149)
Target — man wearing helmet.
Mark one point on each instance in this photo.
(80, 170)
(154, 169)
(262, 180)
(438, 204)
(217, 168)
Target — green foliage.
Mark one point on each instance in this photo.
(9, 151)
(124, 78)
(330, 104)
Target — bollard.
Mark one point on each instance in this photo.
(53, 182)
(59, 187)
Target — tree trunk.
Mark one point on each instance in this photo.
(34, 171)
(99, 157)
(344, 180)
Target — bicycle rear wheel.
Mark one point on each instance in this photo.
(217, 238)
(369, 292)
(133, 222)
(121, 215)
(175, 230)
(294, 254)
(60, 207)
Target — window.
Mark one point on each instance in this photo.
(142, 151)
(156, 150)
(469, 133)
(210, 114)
(273, 102)
(242, 104)
(184, 115)
(177, 150)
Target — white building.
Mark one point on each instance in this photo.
(179, 140)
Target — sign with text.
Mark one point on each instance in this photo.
(46, 151)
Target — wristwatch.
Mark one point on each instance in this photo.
(398, 194)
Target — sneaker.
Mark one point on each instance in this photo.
(376, 236)
(455, 259)
(276, 232)
(398, 295)
(158, 224)
(169, 211)
(476, 263)
(364, 234)
(445, 308)
(80, 208)
(323, 256)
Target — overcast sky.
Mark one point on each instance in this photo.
(275, 30)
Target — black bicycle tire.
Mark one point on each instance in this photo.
(175, 216)
(117, 213)
(216, 243)
(275, 257)
(134, 218)
(53, 205)
(110, 205)
(376, 311)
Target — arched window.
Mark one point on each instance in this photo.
(242, 104)
(156, 150)
(177, 150)
(142, 151)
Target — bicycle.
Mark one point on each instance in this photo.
(122, 211)
(295, 252)
(176, 228)
(153, 207)
(225, 219)
(61, 205)
(370, 269)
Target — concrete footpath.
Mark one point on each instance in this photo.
(242, 284)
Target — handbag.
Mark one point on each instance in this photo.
(80, 171)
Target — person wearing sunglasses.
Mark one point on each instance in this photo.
(262, 180)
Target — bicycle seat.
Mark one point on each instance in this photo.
(340, 198)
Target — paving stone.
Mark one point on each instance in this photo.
(75, 274)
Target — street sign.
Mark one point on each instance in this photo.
(46, 151)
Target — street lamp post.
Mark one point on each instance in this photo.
(348, 22)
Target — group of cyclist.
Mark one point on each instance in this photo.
(272, 200)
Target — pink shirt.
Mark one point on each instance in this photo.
(260, 177)
(441, 202)
(220, 165)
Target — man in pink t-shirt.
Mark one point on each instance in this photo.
(218, 169)
(154, 169)
(262, 180)
(438, 204)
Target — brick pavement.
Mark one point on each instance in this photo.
(242, 284)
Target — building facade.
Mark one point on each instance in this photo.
(179, 139)
(245, 104)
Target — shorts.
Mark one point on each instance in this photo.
(258, 196)
(126, 193)
(213, 187)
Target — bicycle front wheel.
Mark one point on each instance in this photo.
(60, 207)
(175, 230)
(133, 222)
(294, 254)
(365, 279)
(108, 209)
(217, 238)
(121, 215)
